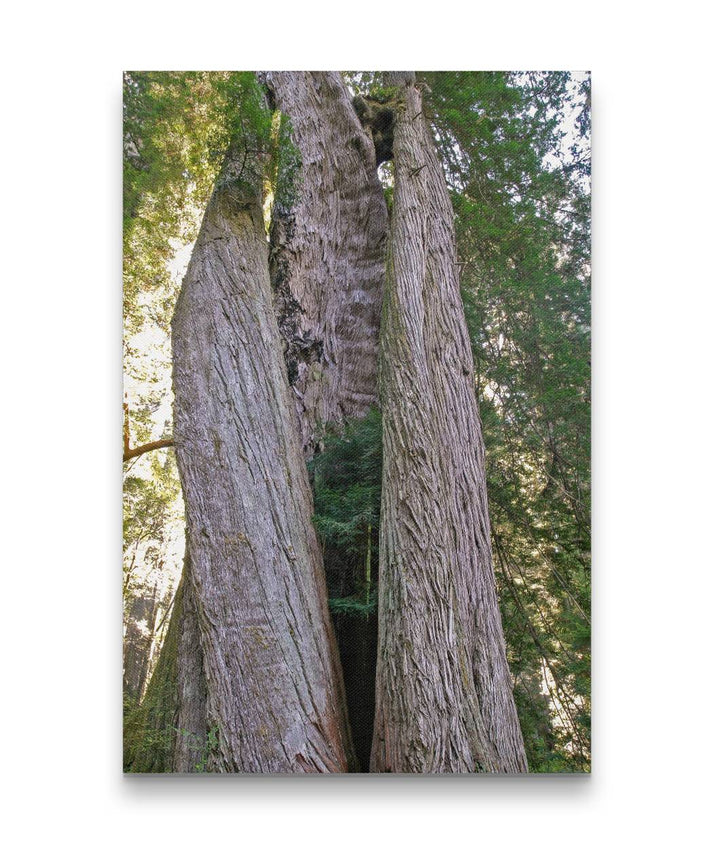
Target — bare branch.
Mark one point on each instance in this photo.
(129, 454)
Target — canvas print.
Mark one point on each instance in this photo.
(356, 422)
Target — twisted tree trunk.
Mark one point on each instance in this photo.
(444, 695)
(274, 692)
(329, 228)
(327, 267)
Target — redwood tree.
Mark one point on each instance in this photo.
(274, 692)
(444, 698)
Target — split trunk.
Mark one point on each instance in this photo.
(257, 661)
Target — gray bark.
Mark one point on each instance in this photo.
(274, 691)
(328, 253)
(191, 741)
(444, 698)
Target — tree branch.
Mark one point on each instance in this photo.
(129, 454)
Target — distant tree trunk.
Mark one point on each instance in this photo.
(274, 691)
(444, 695)
(149, 729)
(328, 235)
(137, 642)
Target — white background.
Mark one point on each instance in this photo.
(655, 464)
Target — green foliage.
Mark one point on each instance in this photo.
(152, 521)
(369, 84)
(169, 122)
(346, 478)
(206, 747)
(178, 128)
(353, 605)
(286, 167)
(211, 745)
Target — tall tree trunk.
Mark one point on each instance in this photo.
(328, 235)
(319, 312)
(274, 691)
(328, 252)
(444, 694)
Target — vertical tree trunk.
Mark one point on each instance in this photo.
(274, 692)
(328, 252)
(137, 643)
(444, 695)
(149, 730)
(328, 234)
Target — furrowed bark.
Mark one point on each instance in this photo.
(191, 742)
(329, 227)
(274, 693)
(444, 694)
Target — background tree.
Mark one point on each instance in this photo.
(328, 231)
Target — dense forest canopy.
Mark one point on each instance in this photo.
(514, 151)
